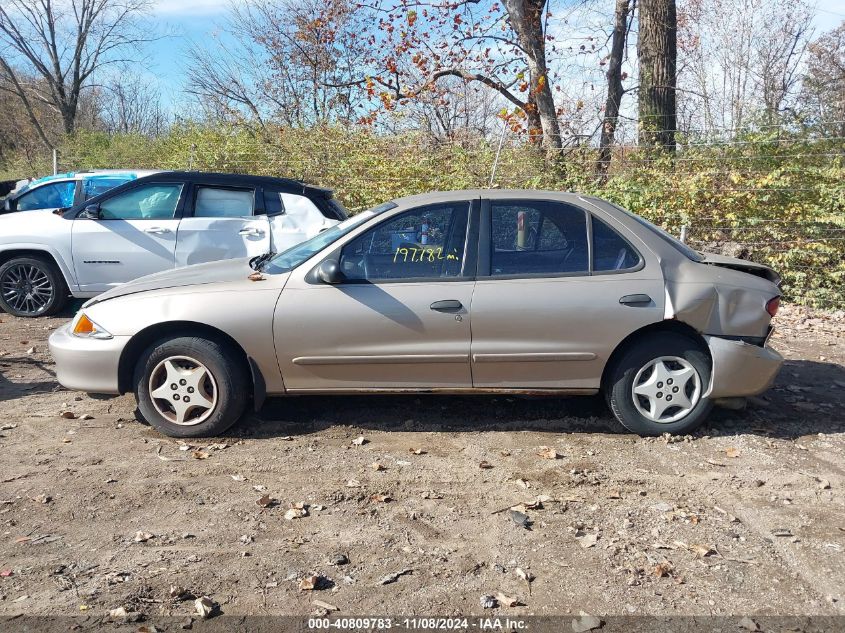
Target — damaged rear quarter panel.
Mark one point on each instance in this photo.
(718, 301)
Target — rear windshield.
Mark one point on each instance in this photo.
(685, 250)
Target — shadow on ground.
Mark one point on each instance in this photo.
(786, 411)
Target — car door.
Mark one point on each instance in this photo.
(399, 319)
(293, 218)
(222, 222)
(134, 235)
(53, 195)
(550, 304)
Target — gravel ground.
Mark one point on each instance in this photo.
(100, 512)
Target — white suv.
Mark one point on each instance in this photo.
(151, 224)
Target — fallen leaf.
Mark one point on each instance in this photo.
(204, 606)
(238, 477)
(265, 502)
(359, 441)
(377, 467)
(701, 551)
(256, 276)
(69, 415)
(381, 498)
(296, 512)
(353, 483)
(732, 452)
(663, 569)
(526, 576)
(325, 605)
(547, 452)
(506, 601)
(417, 451)
(86, 416)
(200, 455)
(485, 464)
(309, 583)
(177, 592)
(143, 537)
(118, 614)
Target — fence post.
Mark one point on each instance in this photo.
(191, 156)
(498, 151)
(684, 233)
(55, 161)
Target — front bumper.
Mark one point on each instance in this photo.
(86, 364)
(740, 369)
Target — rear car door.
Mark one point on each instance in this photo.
(222, 222)
(134, 236)
(400, 318)
(293, 218)
(557, 290)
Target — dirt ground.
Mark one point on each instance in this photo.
(746, 517)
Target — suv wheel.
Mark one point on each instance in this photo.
(31, 287)
(190, 387)
(658, 385)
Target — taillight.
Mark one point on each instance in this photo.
(772, 306)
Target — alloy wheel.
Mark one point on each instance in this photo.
(666, 389)
(182, 390)
(27, 289)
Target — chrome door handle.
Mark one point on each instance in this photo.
(253, 232)
(157, 230)
(447, 305)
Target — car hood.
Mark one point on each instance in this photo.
(743, 265)
(196, 275)
(12, 221)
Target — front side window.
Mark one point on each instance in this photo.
(538, 237)
(223, 202)
(427, 242)
(147, 202)
(52, 196)
(610, 250)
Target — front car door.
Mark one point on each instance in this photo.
(222, 222)
(52, 195)
(134, 236)
(400, 319)
(556, 293)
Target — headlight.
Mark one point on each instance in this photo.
(84, 327)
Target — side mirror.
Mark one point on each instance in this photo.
(329, 272)
(91, 212)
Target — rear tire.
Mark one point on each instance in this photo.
(657, 386)
(191, 387)
(32, 286)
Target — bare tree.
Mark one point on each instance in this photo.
(657, 53)
(64, 44)
(823, 90)
(741, 60)
(615, 90)
(290, 62)
(129, 104)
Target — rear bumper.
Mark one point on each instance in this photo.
(740, 369)
(86, 364)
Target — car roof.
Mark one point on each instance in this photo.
(234, 179)
(495, 194)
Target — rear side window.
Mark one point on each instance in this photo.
(223, 202)
(538, 237)
(52, 196)
(96, 185)
(610, 250)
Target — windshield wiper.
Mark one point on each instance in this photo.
(256, 262)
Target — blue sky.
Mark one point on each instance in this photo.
(200, 21)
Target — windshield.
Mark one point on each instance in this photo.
(294, 256)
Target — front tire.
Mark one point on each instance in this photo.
(191, 387)
(658, 385)
(32, 287)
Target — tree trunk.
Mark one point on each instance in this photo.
(657, 50)
(614, 86)
(526, 18)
